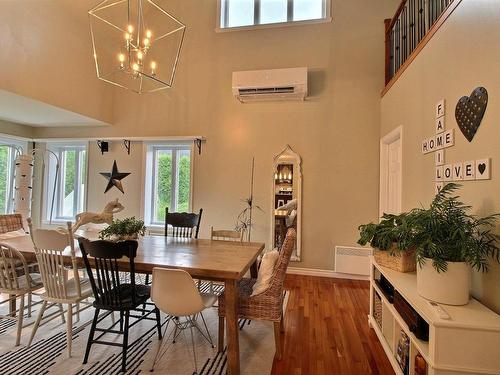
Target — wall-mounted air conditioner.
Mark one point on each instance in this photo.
(274, 84)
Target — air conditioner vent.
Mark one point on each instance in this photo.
(267, 90)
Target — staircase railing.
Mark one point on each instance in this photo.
(409, 27)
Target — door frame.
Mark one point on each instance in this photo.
(385, 141)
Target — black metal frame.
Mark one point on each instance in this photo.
(112, 295)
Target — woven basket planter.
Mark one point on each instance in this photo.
(400, 261)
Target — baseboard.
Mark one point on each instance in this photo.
(324, 273)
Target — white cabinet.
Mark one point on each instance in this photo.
(468, 343)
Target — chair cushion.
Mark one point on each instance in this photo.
(12, 234)
(127, 293)
(35, 281)
(265, 272)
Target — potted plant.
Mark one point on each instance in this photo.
(390, 240)
(449, 242)
(125, 229)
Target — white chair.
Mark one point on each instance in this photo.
(50, 246)
(16, 281)
(175, 293)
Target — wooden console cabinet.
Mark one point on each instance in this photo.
(468, 343)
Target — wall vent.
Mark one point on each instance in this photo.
(352, 260)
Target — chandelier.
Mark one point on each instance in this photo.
(136, 44)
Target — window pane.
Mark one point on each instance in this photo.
(184, 180)
(307, 9)
(273, 11)
(163, 184)
(4, 178)
(83, 173)
(68, 183)
(240, 12)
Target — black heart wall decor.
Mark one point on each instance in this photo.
(470, 112)
(481, 167)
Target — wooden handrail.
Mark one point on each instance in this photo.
(409, 28)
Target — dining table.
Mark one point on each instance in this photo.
(205, 259)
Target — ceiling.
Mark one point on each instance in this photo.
(22, 110)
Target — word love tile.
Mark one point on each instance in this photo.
(464, 171)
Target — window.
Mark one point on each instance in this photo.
(8, 153)
(168, 180)
(241, 13)
(65, 186)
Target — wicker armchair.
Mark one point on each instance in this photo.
(267, 305)
(10, 223)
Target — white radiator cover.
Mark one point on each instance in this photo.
(353, 260)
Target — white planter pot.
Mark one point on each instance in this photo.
(450, 288)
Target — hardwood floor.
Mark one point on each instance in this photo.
(326, 329)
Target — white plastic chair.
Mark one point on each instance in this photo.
(59, 288)
(175, 293)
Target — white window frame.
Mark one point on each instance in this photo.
(58, 149)
(327, 17)
(148, 203)
(20, 145)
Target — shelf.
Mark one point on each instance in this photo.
(387, 347)
(422, 346)
(474, 315)
(467, 343)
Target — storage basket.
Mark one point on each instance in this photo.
(400, 261)
(377, 309)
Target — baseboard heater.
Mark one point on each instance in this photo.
(352, 260)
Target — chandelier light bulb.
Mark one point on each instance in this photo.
(140, 55)
(146, 42)
(135, 67)
(148, 34)
(153, 68)
(121, 57)
(127, 37)
(130, 29)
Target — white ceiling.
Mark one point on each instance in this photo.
(23, 110)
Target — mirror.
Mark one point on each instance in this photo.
(287, 198)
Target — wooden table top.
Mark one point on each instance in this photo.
(211, 259)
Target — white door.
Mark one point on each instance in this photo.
(391, 172)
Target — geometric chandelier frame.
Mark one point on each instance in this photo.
(136, 44)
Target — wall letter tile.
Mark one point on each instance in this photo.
(458, 172)
(440, 125)
(483, 171)
(440, 109)
(440, 157)
(469, 170)
(439, 174)
(448, 173)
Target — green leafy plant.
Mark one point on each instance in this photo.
(125, 228)
(446, 232)
(393, 233)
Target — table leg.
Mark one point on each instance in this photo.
(233, 344)
(12, 305)
(254, 271)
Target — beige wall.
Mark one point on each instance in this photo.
(46, 54)
(17, 130)
(460, 57)
(336, 131)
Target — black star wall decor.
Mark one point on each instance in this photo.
(114, 178)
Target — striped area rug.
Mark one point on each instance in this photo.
(48, 354)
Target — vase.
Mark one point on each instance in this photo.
(450, 288)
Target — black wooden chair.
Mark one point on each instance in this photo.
(184, 225)
(112, 294)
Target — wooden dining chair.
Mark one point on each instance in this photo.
(111, 294)
(17, 281)
(60, 289)
(267, 305)
(226, 235)
(184, 225)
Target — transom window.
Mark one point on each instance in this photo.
(241, 13)
(67, 184)
(168, 180)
